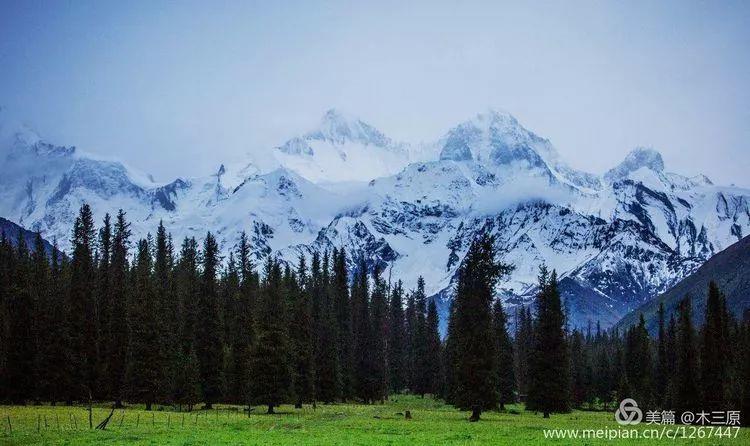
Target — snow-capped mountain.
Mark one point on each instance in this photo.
(343, 148)
(616, 240)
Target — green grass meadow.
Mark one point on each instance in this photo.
(433, 423)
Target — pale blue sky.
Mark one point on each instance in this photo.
(176, 88)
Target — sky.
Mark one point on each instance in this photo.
(177, 88)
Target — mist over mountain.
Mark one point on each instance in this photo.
(616, 240)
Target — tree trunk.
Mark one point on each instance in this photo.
(118, 404)
(270, 410)
(546, 414)
(208, 406)
(148, 406)
(298, 405)
(475, 413)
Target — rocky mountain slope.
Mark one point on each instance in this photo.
(730, 269)
(13, 233)
(617, 240)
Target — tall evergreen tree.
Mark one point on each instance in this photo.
(363, 335)
(242, 335)
(186, 390)
(115, 343)
(188, 288)
(714, 355)
(102, 308)
(638, 364)
(40, 291)
(379, 368)
(83, 339)
(343, 307)
(524, 339)
(301, 335)
(229, 291)
(144, 362)
(549, 372)
(504, 376)
(661, 376)
(473, 356)
(410, 321)
(397, 340)
(433, 367)
(327, 375)
(744, 368)
(421, 360)
(270, 362)
(166, 323)
(6, 256)
(686, 395)
(208, 330)
(20, 311)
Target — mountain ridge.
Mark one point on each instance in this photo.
(728, 268)
(616, 240)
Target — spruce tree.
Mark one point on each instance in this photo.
(83, 339)
(229, 307)
(327, 374)
(661, 376)
(433, 366)
(186, 389)
(714, 363)
(20, 311)
(549, 372)
(270, 362)
(144, 364)
(242, 336)
(638, 363)
(421, 360)
(397, 340)
(41, 292)
(6, 254)
(524, 339)
(505, 378)
(473, 355)
(208, 328)
(686, 395)
(301, 335)
(603, 383)
(115, 344)
(343, 308)
(188, 281)
(167, 341)
(744, 368)
(379, 364)
(363, 334)
(578, 385)
(410, 321)
(103, 282)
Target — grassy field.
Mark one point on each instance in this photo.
(433, 424)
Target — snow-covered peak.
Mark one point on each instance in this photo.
(489, 136)
(497, 140)
(342, 148)
(340, 128)
(18, 139)
(638, 158)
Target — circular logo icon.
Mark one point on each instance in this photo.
(628, 413)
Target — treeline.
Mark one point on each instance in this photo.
(682, 368)
(553, 369)
(151, 323)
(147, 324)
